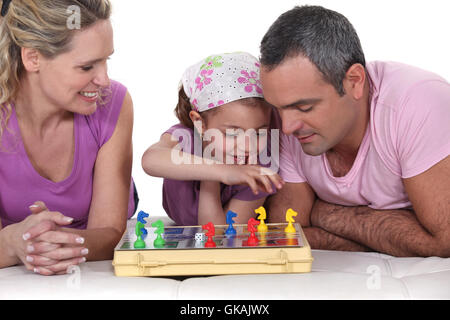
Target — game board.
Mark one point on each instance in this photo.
(275, 251)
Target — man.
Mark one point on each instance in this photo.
(365, 146)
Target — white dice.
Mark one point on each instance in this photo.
(200, 237)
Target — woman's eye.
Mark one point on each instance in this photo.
(86, 68)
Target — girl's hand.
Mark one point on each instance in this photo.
(256, 177)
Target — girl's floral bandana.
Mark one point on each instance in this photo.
(220, 79)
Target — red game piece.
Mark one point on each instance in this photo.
(211, 232)
(252, 239)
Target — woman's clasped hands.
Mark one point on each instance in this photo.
(43, 245)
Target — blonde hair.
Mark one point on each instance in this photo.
(42, 25)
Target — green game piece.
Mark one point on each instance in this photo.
(159, 241)
(159, 225)
(158, 245)
(139, 243)
(138, 228)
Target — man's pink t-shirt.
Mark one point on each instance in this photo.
(408, 133)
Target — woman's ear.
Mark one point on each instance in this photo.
(198, 122)
(31, 59)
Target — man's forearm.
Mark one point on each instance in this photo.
(395, 232)
(321, 239)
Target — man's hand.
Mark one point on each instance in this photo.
(301, 198)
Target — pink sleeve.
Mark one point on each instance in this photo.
(290, 167)
(423, 136)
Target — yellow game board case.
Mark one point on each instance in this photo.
(276, 252)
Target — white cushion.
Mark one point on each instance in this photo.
(335, 275)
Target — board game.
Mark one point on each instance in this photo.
(180, 252)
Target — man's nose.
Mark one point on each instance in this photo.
(290, 123)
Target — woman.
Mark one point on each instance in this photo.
(65, 130)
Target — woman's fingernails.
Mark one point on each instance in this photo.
(33, 206)
(30, 248)
(26, 236)
(85, 251)
(68, 219)
(79, 240)
(36, 270)
(29, 259)
(82, 260)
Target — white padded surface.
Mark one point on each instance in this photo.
(335, 275)
(94, 280)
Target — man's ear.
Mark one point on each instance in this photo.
(198, 122)
(354, 81)
(31, 59)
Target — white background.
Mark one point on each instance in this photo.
(155, 41)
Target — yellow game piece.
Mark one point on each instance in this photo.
(289, 214)
(262, 227)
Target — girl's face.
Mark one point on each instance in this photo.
(72, 80)
(238, 132)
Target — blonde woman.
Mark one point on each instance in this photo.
(65, 129)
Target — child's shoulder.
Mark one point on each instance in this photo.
(184, 135)
(179, 128)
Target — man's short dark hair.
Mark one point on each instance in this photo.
(323, 36)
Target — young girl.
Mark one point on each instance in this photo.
(218, 168)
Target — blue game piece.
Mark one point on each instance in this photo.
(141, 218)
(144, 233)
(230, 215)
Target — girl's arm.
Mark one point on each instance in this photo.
(158, 161)
(210, 206)
(162, 160)
(244, 209)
